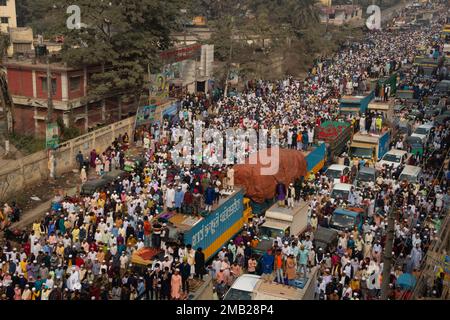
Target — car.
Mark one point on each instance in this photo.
(393, 157)
(346, 219)
(404, 127)
(411, 174)
(365, 176)
(90, 187)
(341, 191)
(325, 238)
(336, 171)
(242, 288)
(423, 132)
(114, 175)
(414, 145)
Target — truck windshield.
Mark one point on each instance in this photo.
(391, 158)
(334, 174)
(421, 131)
(366, 177)
(365, 153)
(407, 177)
(271, 233)
(343, 221)
(235, 294)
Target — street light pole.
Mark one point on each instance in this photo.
(49, 93)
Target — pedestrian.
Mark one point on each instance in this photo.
(199, 263)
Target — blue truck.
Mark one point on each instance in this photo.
(355, 104)
(370, 147)
(346, 219)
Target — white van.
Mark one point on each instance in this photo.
(253, 287)
(411, 174)
(341, 191)
(336, 171)
(423, 132)
(393, 157)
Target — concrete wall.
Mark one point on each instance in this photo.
(33, 169)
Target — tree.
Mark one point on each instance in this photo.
(123, 36)
(5, 42)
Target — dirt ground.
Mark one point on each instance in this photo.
(45, 191)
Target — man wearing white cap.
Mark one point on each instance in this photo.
(291, 196)
(73, 280)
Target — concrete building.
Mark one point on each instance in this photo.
(27, 82)
(21, 42)
(8, 18)
(340, 14)
(185, 69)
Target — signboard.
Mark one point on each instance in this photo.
(145, 115)
(180, 54)
(52, 136)
(172, 109)
(208, 230)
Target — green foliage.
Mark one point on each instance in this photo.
(27, 144)
(124, 36)
(5, 42)
(67, 133)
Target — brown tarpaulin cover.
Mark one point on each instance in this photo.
(260, 187)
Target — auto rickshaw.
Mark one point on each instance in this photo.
(415, 144)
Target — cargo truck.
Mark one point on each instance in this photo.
(355, 104)
(385, 108)
(212, 231)
(281, 221)
(217, 228)
(253, 287)
(370, 147)
(316, 158)
(335, 134)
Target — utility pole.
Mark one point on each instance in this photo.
(149, 83)
(387, 259)
(225, 93)
(49, 93)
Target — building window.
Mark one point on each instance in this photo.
(75, 83)
(4, 20)
(3, 3)
(44, 85)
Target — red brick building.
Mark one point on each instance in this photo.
(27, 82)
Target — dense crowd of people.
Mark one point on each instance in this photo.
(83, 247)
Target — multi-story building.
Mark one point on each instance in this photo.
(27, 82)
(8, 18)
(340, 14)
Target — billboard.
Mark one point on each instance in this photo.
(52, 136)
(145, 115)
(209, 229)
